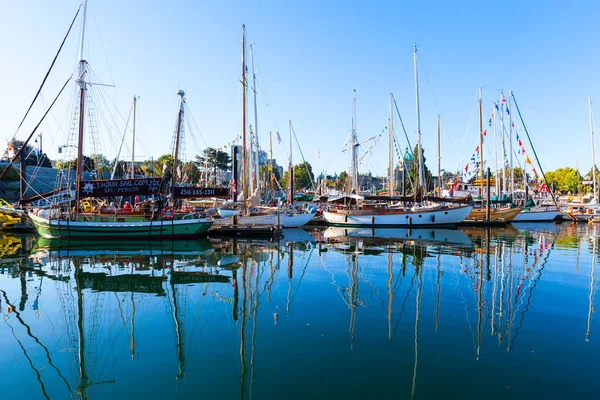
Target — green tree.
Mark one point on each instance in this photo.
(190, 172)
(263, 173)
(88, 164)
(564, 179)
(11, 175)
(102, 163)
(215, 160)
(413, 173)
(33, 157)
(302, 176)
(164, 168)
(343, 181)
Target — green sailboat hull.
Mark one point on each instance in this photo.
(130, 230)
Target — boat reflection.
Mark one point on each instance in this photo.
(386, 236)
(234, 302)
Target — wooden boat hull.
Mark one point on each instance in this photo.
(425, 217)
(496, 214)
(181, 228)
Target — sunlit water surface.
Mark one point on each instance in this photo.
(339, 313)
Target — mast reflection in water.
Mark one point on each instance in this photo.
(340, 312)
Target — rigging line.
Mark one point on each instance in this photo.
(535, 282)
(436, 103)
(34, 129)
(114, 171)
(412, 282)
(102, 47)
(301, 276)
(462, 145)
(49, 70)
(532, 148)
(189, 112)
(302, 155)
(28, 329)
(403, 128)
(37, 372)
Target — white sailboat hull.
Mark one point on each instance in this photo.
(226, 213)
(536, 216)
(426, 217)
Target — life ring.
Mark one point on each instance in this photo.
(248, 203)
(167, 213)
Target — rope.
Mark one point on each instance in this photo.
(48, 72)
(532, 149)
(34, 129)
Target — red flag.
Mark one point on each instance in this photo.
(485, 132)
(467, 168)
(456, 185)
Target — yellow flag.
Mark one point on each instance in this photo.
(527, 160)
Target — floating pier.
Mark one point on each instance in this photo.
(246, 231)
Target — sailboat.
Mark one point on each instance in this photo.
(482, 213)
(156, 222)
(356, 211)
(589, 212)
(291, 217)
(541, 208)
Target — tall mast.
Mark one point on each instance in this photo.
(291, 169)
(481, 148)
(82, 91)
(251, 162)
(244, 159)
(420, 156)
(271, 164)
(391, 149)
(592, 285)
(439, 129)
(255, 120)
(510, 144)
(496, 171)
(181, 95)
(593, 153)
(504, 180)
(354, 150)
(133, 140)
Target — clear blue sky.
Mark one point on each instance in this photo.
(309, 56)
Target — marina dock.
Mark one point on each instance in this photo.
(245, 231)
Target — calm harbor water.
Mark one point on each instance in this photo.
(335, 313)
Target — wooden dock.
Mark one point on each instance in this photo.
(245, 231)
